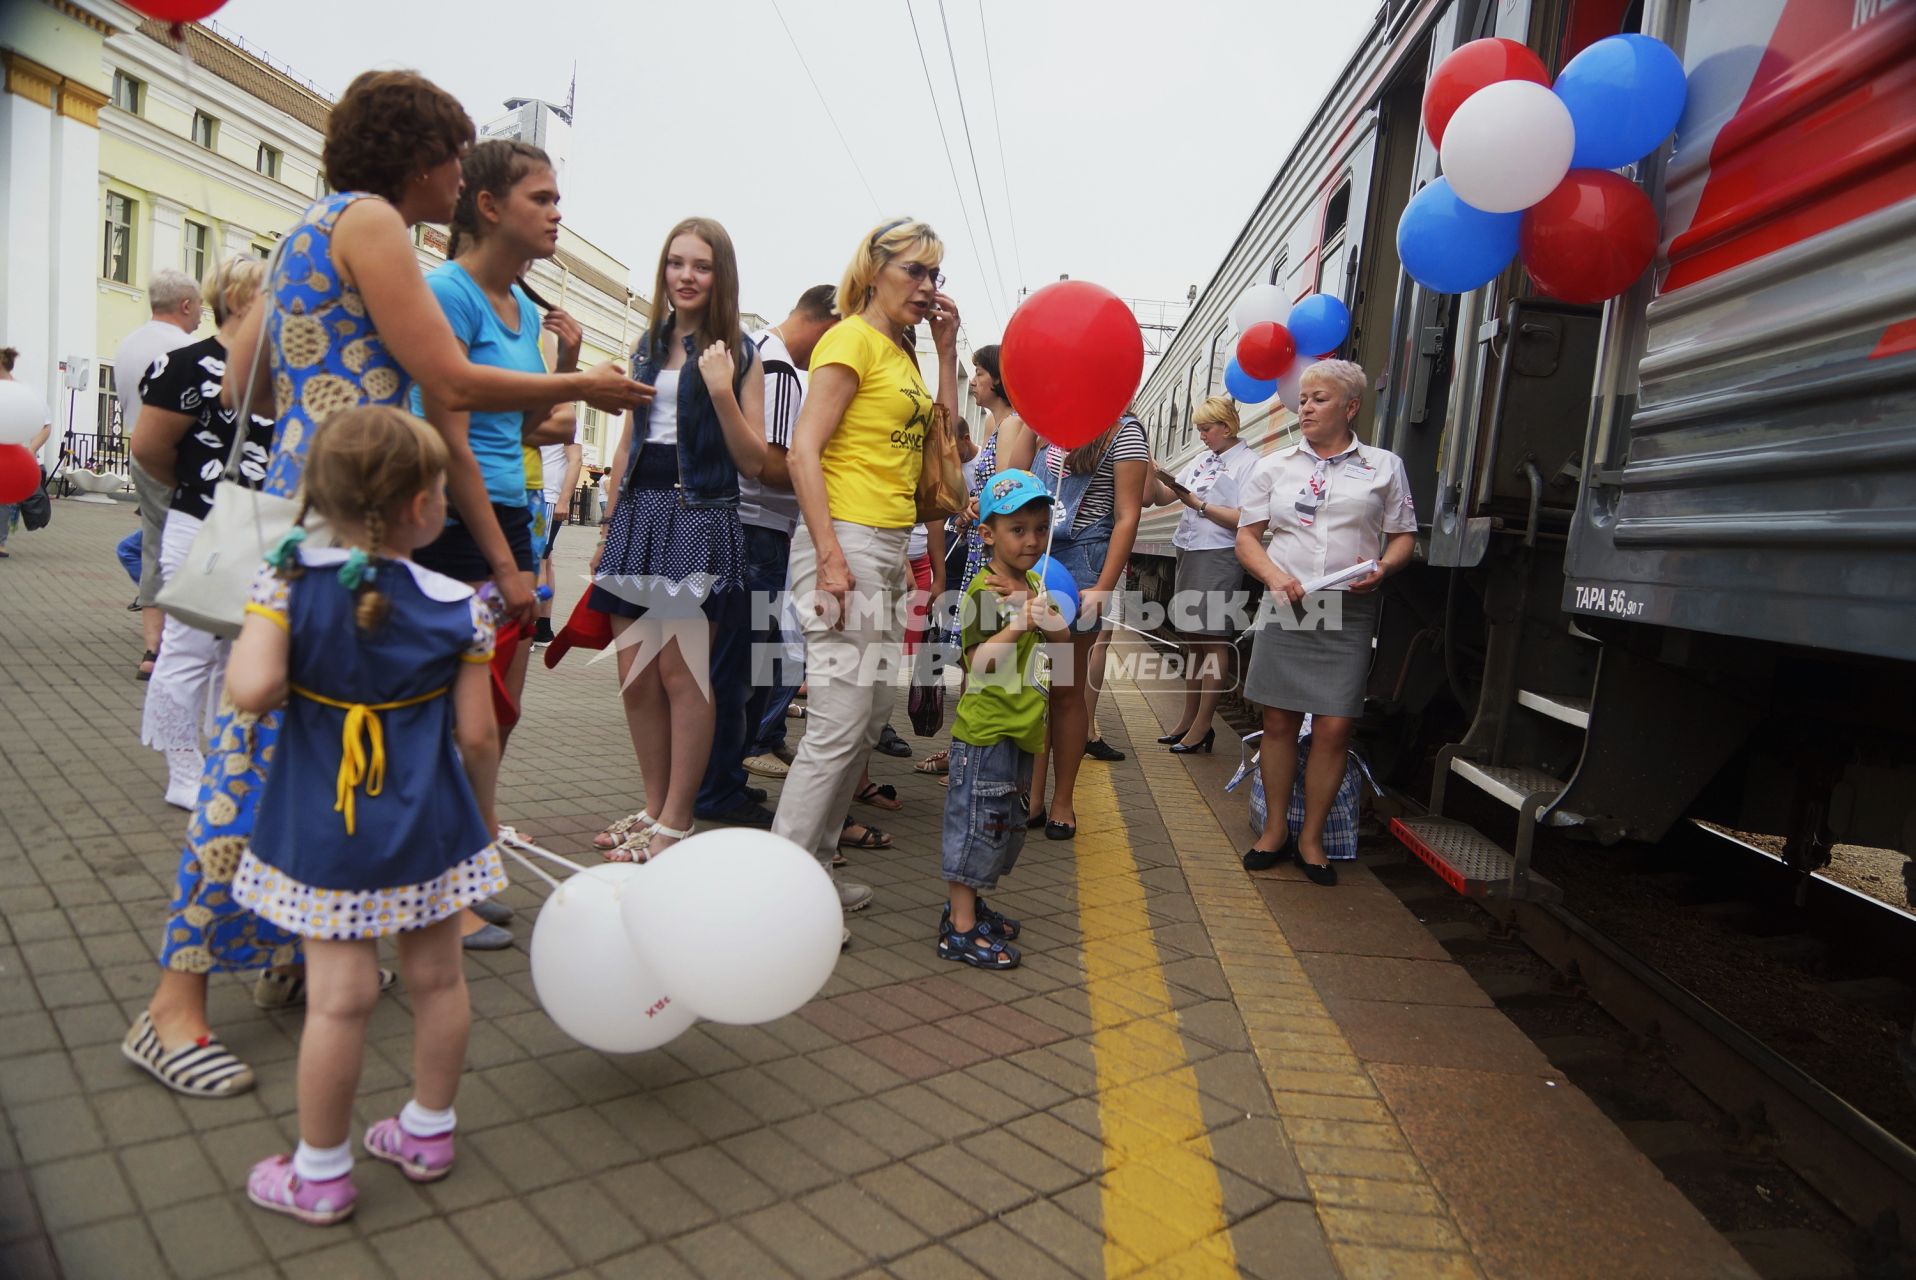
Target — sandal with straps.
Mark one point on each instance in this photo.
(938, 762)
(637, 847)
(999, 923)
(615, 835)
(978, 947)
(872, 839)
(880, 796)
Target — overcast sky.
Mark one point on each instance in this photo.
(1136, 135)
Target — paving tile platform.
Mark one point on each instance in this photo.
(1196, 1072)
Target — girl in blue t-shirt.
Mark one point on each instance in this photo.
(507, 215)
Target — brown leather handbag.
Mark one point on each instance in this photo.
(941, 480)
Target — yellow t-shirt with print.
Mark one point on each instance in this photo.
(872, 461)
(535, 468)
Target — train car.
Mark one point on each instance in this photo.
(1667, 562)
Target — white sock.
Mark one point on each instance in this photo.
(421, 1123)
(323, 1164)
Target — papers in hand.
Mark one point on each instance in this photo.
(1342, 578)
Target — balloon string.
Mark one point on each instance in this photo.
(529, 865)
(513, 843)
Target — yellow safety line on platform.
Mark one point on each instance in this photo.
(1162, 1204)
(1373, 1196)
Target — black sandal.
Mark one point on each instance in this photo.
(873, 792)
(999, 923)
(872, 839)
(978, 947)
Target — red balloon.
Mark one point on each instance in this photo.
(177, 10)
(1266, 350)
(1072, 358)
(1471, 67)
(19, 472)
(1590, 238)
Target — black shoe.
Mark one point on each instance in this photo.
(1059, 830)
(1203, 744)
(1175, 736)
(542, 633)
(756, 794)
(1036, 820)
(746, 813)
(1265, 859)
(1099, 749)
(1325, 874)
(891, 744)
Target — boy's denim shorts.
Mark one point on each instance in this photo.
(985, 811)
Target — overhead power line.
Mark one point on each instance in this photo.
(997, 127)
(957, 187)
(849, 153)
(964, 118)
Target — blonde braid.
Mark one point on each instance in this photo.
(370, 613)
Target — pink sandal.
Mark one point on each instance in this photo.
(275, 1187)
(420, 1159)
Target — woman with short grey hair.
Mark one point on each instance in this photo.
(1328, 502)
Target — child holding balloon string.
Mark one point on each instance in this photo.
(375, 818)
(1000, 724)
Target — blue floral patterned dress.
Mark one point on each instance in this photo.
(326, 356)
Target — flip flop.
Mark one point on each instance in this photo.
(880, 796)
(938, 762)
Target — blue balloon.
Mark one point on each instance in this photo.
(1320, 323)
(1625, 95)
(1448, 246)
(1059, 583)
(1244, 388)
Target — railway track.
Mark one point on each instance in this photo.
(1656, 937)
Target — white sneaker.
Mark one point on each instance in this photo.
(853, 897)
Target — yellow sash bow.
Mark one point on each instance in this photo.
(362, 745)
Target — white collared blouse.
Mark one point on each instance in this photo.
(1216, 479)
(1327, 514)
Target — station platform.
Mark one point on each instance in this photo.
(1196, 1072)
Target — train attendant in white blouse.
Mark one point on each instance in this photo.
(1329, 503)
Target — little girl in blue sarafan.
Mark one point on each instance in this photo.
(371, 823)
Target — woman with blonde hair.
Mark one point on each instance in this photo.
(1208, 572)
(854, 463)
(1330, 502)
(672, 545)
(184, 439)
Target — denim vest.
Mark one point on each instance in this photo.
(707, 475)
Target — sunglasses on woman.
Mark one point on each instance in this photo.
(918, 271)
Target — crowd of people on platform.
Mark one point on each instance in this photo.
(341, 786)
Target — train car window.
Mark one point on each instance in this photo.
(1277, 268)
(1220, 356)
(1331, 265)
(1190, 399)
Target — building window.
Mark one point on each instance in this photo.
(193, 252)
(205, 129)
(116, 262)
(109, 403)
(262, 251)
(592, 420)
(267, 161)
(128, 93)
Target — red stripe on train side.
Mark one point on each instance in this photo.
(1898, 339)
(1825, 134)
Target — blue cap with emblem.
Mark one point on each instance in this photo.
(1009, 491)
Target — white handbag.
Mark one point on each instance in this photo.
(208, 591)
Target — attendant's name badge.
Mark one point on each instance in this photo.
(1362, 471)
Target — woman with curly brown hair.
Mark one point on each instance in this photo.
(346, 319)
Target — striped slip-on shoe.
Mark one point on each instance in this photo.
(204, 1069)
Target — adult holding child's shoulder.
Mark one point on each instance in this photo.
(854, 464)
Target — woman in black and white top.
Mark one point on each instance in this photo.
(183, 439)
(1100, 488)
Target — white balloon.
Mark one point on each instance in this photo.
(1508, 146)
(741, 925)
(1260, 303)
(22, 412)
(591, 982)
(1290, 383)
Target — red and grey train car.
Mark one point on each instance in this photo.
(1667, 565)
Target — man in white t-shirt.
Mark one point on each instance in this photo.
(750, 733)
(559, 467)
(175, 299)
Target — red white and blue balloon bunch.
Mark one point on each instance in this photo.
(1271, 332)
(1527, 167)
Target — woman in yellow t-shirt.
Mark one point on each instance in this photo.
(854, 462)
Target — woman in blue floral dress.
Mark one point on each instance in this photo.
(347, 320)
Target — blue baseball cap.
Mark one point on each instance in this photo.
(1010, 491)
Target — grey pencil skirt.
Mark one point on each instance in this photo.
(1312, 667)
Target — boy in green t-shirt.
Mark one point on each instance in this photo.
(1001, 718)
